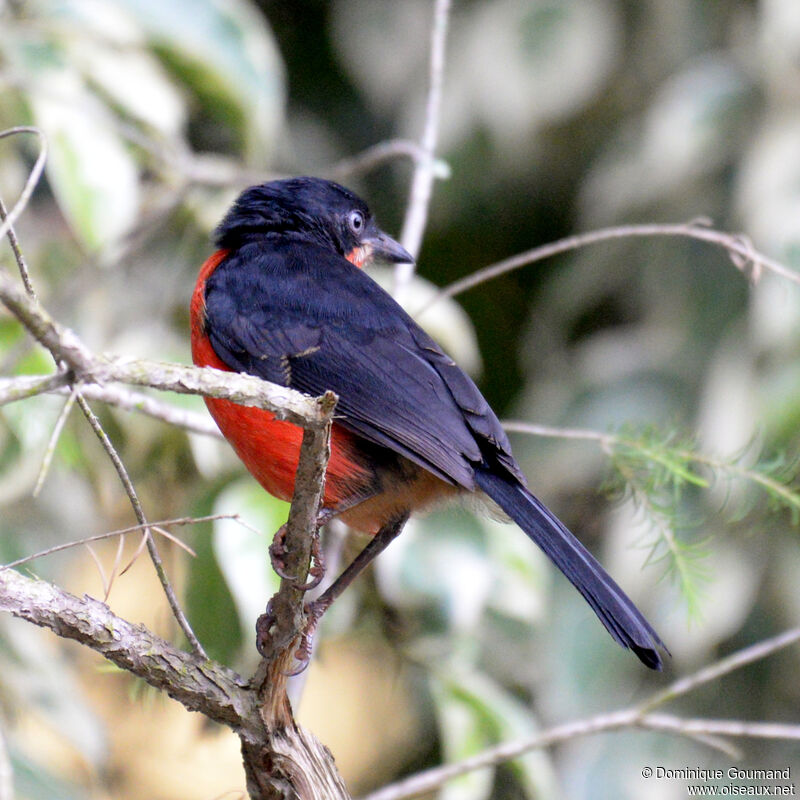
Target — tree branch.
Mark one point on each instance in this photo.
(24, 386)
(425, 170)
(280, 759)
(286, 607)
(636, 716)
(7, 220)
(741, 251)
(200, 685)
(87, 367)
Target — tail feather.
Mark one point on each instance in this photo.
(613, 607)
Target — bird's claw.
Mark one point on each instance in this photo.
(305, 648)
(313, 610)
(317, 568)
(263, 627)
(277, 550)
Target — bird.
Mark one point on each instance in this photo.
(285, 297)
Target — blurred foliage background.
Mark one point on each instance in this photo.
(558, 117)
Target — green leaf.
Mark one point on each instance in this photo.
(91, 170)
(135, 81)
(473, 713)
(225, 52)
(463, 733)
(107, 44)
(521, 570)
(241, 549)
(210, 607)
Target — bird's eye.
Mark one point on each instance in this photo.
(356, 221)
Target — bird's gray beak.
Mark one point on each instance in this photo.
(384, 248)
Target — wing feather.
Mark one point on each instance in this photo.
(308, 319)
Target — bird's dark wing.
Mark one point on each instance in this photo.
(306, 318)
(303, 317)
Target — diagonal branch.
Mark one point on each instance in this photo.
(157, 527)
(740, 250)
(152, 547)
(7, 219)
(203, 686)
(722, 667)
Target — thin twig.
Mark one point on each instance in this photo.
(152, 549)
(424, 172)
(739, 249)
(158, 527)
(22, 387)
(17, 251)
(153, 528)
(737, 660)
(609, 441)
(115, 565)
(373, 157)
(718, 727)
(10, 218)
(53, 441)
(605, 440)
(105, 580)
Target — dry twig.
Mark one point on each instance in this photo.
(425, 169)
(744, 257)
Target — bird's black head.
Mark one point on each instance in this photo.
(308, 209)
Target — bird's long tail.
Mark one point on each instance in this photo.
(614, 608)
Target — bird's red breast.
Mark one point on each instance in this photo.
(270, 448)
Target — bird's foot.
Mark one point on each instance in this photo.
(317, 568)
(305, 648)
(277, 551)
(263, 630)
